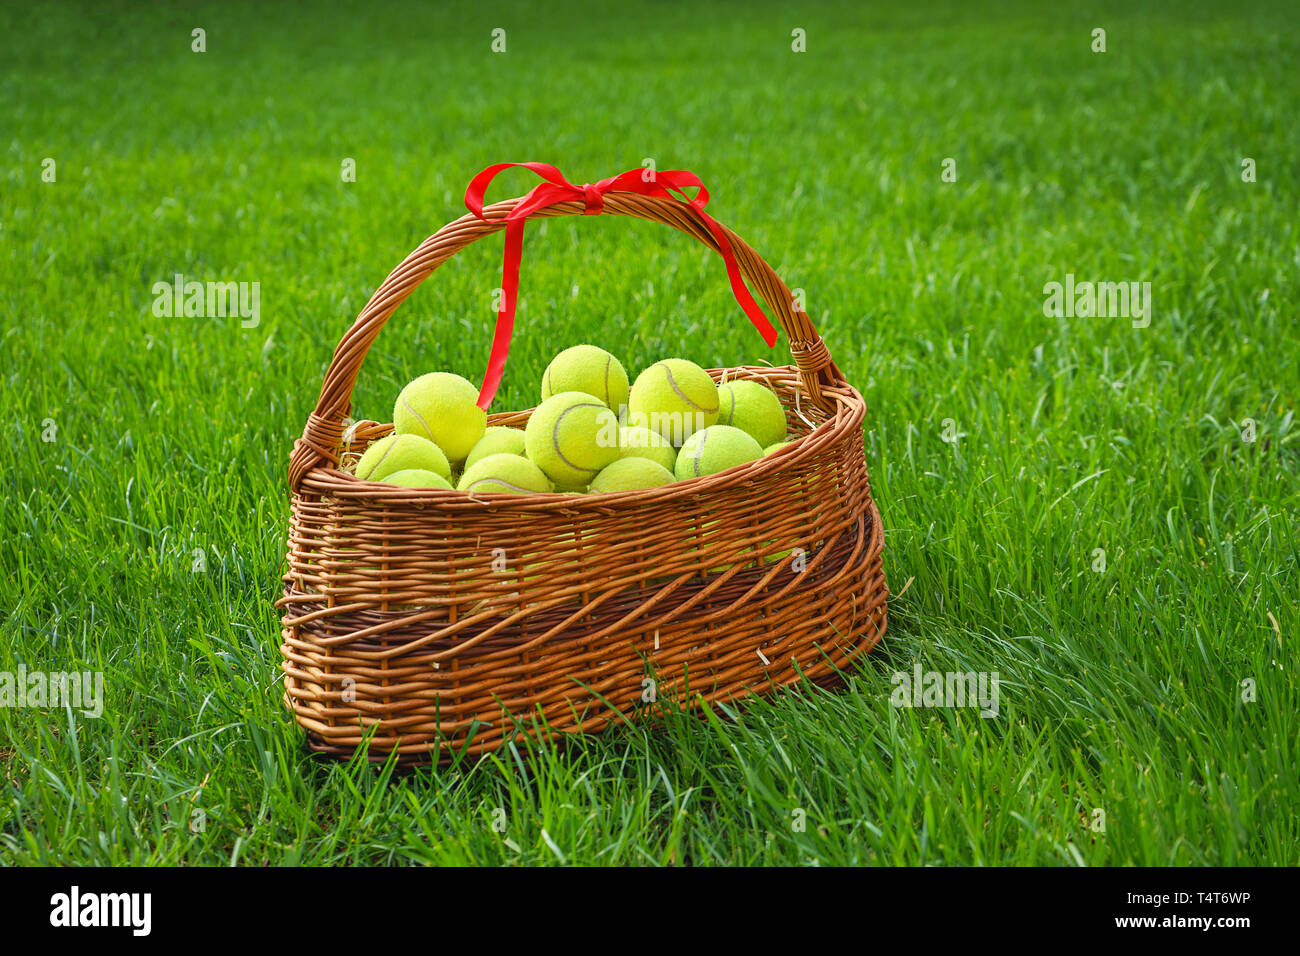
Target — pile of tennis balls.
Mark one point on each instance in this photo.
(592, 433)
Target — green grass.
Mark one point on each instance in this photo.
(1121, 691)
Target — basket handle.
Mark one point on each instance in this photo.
(323, 433)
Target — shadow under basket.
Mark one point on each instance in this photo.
(429, 622)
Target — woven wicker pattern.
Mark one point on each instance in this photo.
(428, 621)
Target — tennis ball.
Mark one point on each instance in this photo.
(628, 474)
(443, 408)
(417, 478)
(401, 453)
(753, 408)
(572, 436)
(497, 440)
(674, 397)
(586, 368)
(637, 442)
(503, 474)
(777, 446)
(715, 449)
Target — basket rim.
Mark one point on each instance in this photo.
(850, 410)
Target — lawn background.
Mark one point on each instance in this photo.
(1121, 691)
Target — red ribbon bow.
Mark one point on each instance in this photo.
(557, 189)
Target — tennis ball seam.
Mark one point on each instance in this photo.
(420, 418)
(699, 452)
(375, 467)
(730, 412)
(672, 383)
(555, 436)
(469, 489)
(425, 456)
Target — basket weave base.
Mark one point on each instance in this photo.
(595, 681)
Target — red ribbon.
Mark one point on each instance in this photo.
(557, 189)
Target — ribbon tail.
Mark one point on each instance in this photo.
(738, 287)
(506, 316)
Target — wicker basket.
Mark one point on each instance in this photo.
(427, 622)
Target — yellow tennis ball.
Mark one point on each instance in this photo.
(715, 449)
(417, 478)
(753, 408)
(572, 436)
(586, 368)
(637, 442)
(777, 446)
(503, 474)
(629, 474)
(497, 440)
(674, 397)
(443, 408)
(400, 453)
